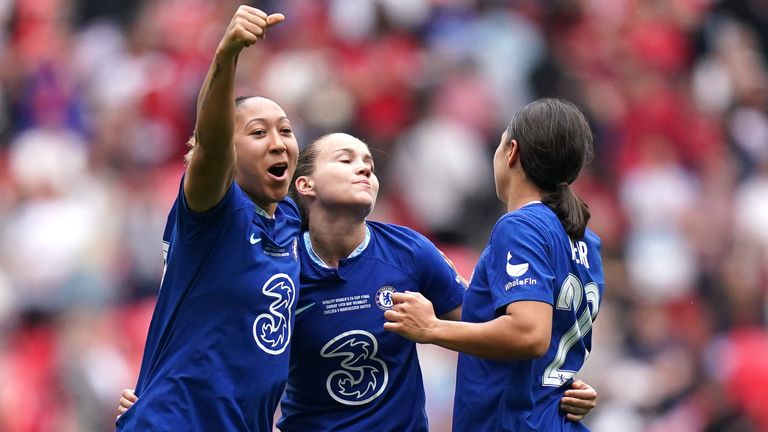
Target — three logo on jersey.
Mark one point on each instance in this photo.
(272, 329)
(362, 376)
(515, 271)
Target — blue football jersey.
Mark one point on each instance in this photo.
(530, 257)
(217, 352)
(347, 373)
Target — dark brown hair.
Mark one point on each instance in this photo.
(304, 166)
(555, 142)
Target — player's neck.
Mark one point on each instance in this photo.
(520, 193)
(267, 207)
(335, 237)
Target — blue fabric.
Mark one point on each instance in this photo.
(529, 257)
(217, 352)
(316, 259)
(347, 372)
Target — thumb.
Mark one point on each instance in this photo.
(275, 18)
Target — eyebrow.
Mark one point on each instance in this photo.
(264, 120)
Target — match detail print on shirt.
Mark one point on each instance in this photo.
(346, 304)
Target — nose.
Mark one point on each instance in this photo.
(276, 144)
(364, 169)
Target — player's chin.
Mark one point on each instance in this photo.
(370, 203)
(280, 184)
(276, 192)
(280, 194)
(361, 198)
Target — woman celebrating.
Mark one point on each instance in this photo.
(216, 356)
(528, 312)
(346, 372)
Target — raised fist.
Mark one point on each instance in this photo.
(247, 25)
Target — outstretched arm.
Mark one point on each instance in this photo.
(212, 166)
(523, 332)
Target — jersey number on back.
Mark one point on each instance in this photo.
(363, 376)
(571, 294)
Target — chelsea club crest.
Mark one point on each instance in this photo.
(384, 297)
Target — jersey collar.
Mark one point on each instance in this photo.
(316, 259)
(262, 212)
(530, 203)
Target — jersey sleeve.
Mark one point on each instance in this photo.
(191, 224)
(519, 267)
(439, 281)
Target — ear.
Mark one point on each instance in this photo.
(513, 153)
(305, 185)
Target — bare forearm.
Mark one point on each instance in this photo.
(453, 315)
(211, 168)
(216, 106)
(499, 339)
(523, 332)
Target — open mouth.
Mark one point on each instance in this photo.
(278, 169)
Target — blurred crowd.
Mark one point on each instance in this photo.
(97, 99)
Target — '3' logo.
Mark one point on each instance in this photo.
(362, 376)
(272, 330)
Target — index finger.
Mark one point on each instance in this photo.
(252, 10)
(573, 404)
(417, 295)
(399, 297)
(129, 394)
(581, 393)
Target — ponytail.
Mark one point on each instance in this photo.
(555, 142)
(570, 209)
